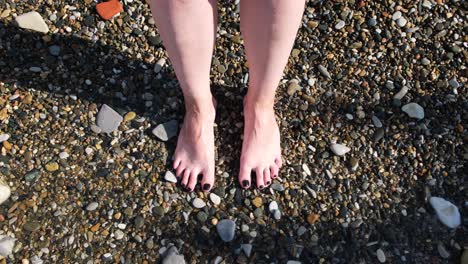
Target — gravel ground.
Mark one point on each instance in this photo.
(79, 195)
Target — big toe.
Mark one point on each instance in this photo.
(244, 177)
(208, 179)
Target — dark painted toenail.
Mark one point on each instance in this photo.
(206, 187)
(261, 187)
(268, 183)
(245, 183)
(183, 185)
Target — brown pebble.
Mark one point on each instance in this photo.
(95, 227)
(313, 218)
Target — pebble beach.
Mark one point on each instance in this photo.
(373, 113)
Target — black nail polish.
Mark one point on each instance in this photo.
(183, 185)
(261, 187)
(245, 183)
(206, 187)
(268, 182)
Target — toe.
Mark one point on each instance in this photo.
(180, 170)
(266, 176)
(244, 177)
(207, 180)
(185, 178)
(274, 171)
(193, 180)
(176, 163)
(260, 183)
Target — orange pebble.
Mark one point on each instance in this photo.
(109, 9)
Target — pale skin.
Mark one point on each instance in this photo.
(188, 30)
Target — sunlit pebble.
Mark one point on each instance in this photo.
(88, 82)
(13, 97)
(89, 151)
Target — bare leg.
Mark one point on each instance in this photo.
(269, 28)
(188, 30)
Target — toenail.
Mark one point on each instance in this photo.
(206, 187)
(268, 183)
(261, 187)
(245, 183)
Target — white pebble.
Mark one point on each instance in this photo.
(413, 110)
(340, 25)
(198, 203)
(63, 155)
(6, 245)
(5, 191)
(92, 206)
(339, 149)
(4, 137)
(170, 177)
(273, 206)
(306, 169)
(215, 199)
(381, 256)
(446, 211)
(401, 93)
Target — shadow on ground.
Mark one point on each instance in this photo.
(101, 74)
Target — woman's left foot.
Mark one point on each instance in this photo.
(261, 150)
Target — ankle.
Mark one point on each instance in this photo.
(258, 104)
(201, 107)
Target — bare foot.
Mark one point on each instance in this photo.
(261, 150)
(194, 154)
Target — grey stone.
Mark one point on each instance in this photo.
(324, 71)
(54, 50)
(381, 256)
(118, 234)
(226, 229)
(443, 251)
(247, 249)
(401, 22)
(397, 15)
(108, 119)
(159, 65)
(277, 187)
(166, 130)
(401, 93)
(92, 206)
(376, 121)
(447, 212)
(31, 176)
(139, 222)
(413, 110)
(172, 256)
(454, 83)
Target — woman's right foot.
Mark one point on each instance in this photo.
(194, 153)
